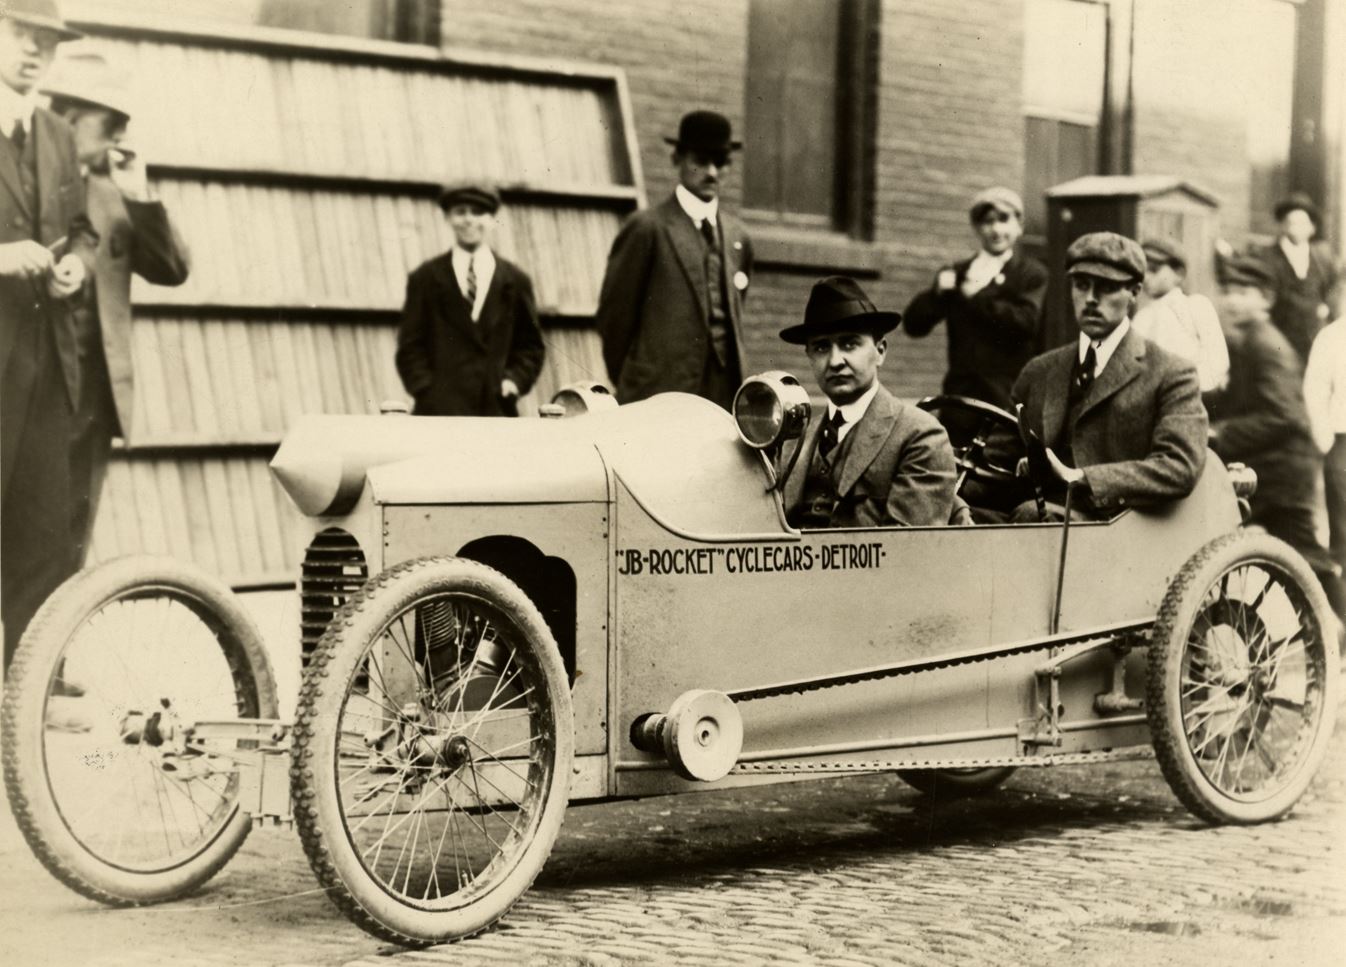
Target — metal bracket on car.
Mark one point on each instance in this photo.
(258, 750)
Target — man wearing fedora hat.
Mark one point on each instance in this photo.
(469, 343)
(867, 460)
(1121, 418)
(671, 308)
(134, 235)
(1304, 273)
(46, 249)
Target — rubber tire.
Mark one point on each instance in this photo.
(23, 721)
(1168, 639)
(314, 782)
(956, 783)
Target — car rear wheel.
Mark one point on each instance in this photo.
(955, 783)
(1241, 684)
(98, 774)
(432, 751)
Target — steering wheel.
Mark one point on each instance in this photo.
(985, 438)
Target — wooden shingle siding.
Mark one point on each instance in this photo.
(302, 172)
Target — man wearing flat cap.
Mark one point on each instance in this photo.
(1185, 325)
(867, 460)
(470, 343)
(1121, 418)
(990, 303)
(1304, 273)
(1262, 420)
(46, 250)
(671, 308)
(135, 235)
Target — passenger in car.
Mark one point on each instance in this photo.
(867, 460)
(1121, 418)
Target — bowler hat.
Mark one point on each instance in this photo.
(838, 304)
(470, 192)
(38, 13)
(1162, 250)
(1000, 198)
(1106, 255)
(82, 73)
(1247, 270)
(1297, 201)
(705, 132)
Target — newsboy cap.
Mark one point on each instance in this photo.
(470, 192)
(1247, 270)
(1297, 201)
(38, 13)
(1106, 255)
(1000, 198)
(705, 132)
(82, 73)
(838, 304)
(1165, 251)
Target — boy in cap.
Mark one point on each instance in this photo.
(671, 308)
(134, 235)
(1185, 325)
(470, 343)
(1121, 418)
(46, 248)
(991, 303)
(1261, 419)
(1303, 272)
(868, 460)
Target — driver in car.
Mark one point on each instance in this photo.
(867, 460)
(1121, 418)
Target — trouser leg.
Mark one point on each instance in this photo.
(1334, 479)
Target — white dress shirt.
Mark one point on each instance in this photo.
(853, 411)
(1103, 348)
(697, 209)
(16, 107)
(1187, 326)
(483, 259)
(983, 268)
(1298, 256)
(1325, 384)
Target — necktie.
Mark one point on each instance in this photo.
(1085, 377)
(708, 232)
(18, 136)
(471, 293)
(830, 434)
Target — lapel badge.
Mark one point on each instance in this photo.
(738, 245)
(741, 280)
(999, 279)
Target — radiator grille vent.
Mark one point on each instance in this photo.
(334, 569)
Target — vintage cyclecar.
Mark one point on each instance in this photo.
(503, 617)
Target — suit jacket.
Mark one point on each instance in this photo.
(898, 468)
(133, 236)
(25, 308)
(453, 366)
(1140, 432)
(1261, 420)
(653, 312)
(991, 335)
(1299, 302)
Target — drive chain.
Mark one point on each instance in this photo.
(987, 762)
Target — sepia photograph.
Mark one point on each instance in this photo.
(723, 483)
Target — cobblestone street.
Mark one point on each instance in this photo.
(1091, 865)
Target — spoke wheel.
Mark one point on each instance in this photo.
(955, 783)
(1241, 688)
(433, 751)
(96, 780)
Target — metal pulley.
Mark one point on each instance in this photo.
(701, 736)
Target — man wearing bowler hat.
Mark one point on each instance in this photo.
(470, 343)
(46, 250)
(671, 307)
(134, 235)
(867, 460)
(1304, 274)
(1121, 418)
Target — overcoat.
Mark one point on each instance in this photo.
(1297, 311)
(897, 468)
(1140, 431)
(653, 310)
(453, 366)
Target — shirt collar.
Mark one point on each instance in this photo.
(987, 257)
(697, 209)
(482, 255)
(16, 107)
(853, 411)
(1105, 347)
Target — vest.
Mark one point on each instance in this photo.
(819, 498)
(721, 333)
(26, 162)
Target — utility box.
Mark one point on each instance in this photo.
(1138, 206)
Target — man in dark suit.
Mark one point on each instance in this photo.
(1303, 273)
(135, 235)
(991, 303)
(46, 248)
(1121, 418)
(868, 460)
(671, 308)
(1261, 419)
(470, 343)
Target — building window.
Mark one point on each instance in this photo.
(809, 116)
(1065, 58)
(409, 21)
(1265, 79)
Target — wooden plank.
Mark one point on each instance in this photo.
(218, 377)
(198, 376)
(177, 529)
(180, 403)
(153, 410)
(220, 505)
(196, 499)
(247, 535)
